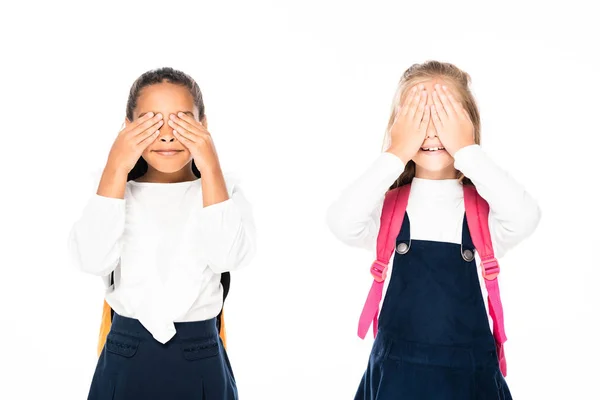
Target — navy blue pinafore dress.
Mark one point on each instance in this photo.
(193, 365)
(434, 340)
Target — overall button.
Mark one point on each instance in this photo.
(468, 255)
(402, 248)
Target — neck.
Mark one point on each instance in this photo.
(183, 175)
(447, 173)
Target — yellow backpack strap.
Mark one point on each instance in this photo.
(223, 332)
(104, 326)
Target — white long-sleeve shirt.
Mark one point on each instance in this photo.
(436, 207)
(167, 251)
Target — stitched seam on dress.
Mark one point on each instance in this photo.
(198, 348)
(121, 345)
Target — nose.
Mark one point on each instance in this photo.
(166, 134)
(431, 132)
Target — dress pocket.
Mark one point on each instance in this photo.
(122, 345)
(199, 349)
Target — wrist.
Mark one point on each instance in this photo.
(405, 158)
(461, 146)
(112, 183)
(115, 171)
(208, 167)
(207, 164)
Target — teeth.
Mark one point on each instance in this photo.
(432, 148)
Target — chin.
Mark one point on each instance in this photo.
(435, 163)
(168, 165)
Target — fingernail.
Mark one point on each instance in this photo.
(161, 122)
(445, 87)
(159, 115)
(150, 114)
(175, 132)
(180, 115)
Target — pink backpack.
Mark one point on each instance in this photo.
(477, 210)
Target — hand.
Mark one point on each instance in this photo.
(451, 121)
(410, 126)
(196, 138)
(132, 141)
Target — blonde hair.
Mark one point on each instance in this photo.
(460, 81)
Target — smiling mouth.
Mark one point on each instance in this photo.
(432, 149)
(167, 152)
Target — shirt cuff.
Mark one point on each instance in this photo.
(103, 201)
(390, 162)
(467, 158)
(216, 208)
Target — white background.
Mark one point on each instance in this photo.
(297, 95)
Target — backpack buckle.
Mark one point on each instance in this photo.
(379, 271)
(491, 268)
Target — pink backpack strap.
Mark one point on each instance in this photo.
(392, 215)
(477, 210)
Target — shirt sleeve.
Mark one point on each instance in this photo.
(354, 217)
(227, 232)
(94, 243)
(514, 214)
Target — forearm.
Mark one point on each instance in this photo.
(214, 190)
(112, 183)
(354, 216)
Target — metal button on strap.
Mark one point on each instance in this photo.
(468, 255)
(402, 248)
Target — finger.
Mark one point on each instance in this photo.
(439, 107)
(445, 101)
(184, 139)
(189, 119)
(181, 126)
(190, 126)
(421, 106)
(152, 130)
(143, 126)
(453, 102)
(130, 125)
(426, 118)
(408, 101)
(412, 110)
(183, 131)
(147, 138)
(146, 132)
(435, 118)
